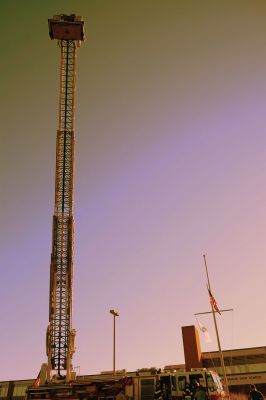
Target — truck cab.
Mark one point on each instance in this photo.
(191, 379)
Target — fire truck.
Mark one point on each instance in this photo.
(57, 378)
(144, 383)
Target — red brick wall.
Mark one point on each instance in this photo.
(192, 349)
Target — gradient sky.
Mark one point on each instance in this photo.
(170, 164)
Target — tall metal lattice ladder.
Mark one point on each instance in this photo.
(68, 30)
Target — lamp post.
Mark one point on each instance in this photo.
(115, 314)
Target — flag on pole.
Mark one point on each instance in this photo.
(205, 332)
(37, 381)
(213, 302)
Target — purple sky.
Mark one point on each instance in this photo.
(170, 164)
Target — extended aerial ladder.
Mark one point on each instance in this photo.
(69, 31)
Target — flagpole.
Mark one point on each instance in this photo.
(216, 330)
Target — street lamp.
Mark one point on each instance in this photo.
(115, 314)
